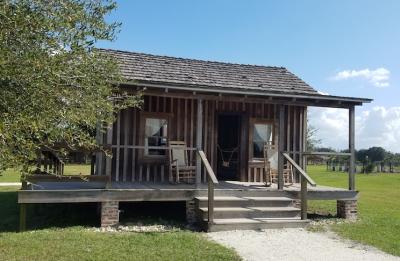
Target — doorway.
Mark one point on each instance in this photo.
(228, 146)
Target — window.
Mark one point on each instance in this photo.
(261, 134)
(155, 135)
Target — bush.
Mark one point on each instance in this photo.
(369, 167)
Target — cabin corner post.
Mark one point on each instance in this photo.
(199, 136)
(352, 148)
(303, 164)
(281, 144)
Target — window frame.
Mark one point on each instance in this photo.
(252, 122)
(153, 115)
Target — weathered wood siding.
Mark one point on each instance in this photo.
(128, 166)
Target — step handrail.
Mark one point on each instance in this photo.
(300, 170)
(211, 180)
(303, 184)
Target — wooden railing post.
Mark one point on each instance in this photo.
(303, 197)
(210, 202)
(211, 180)
(304, 179)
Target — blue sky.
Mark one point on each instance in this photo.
(348, 48)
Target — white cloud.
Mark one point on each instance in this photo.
(378, 77)
(379, 126)
(323, 93)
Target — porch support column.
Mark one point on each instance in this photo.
(199, 136)
(352, 185)
(303, 164)
(281, 144)
(108, 158)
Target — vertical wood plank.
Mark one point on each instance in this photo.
(288, 132)
(199, 134)
(296, 131)
(185, 121)
(134, 127)
(205, 135)
(281, 145)
(141, 173)
(162, 167)
(191, 128)
(212, 132)
(117, 158)
(126, 130)
(178, 120)
(147, 172)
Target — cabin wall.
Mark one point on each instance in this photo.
(127, 165)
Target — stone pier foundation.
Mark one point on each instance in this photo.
(347, 209)
(109, 213)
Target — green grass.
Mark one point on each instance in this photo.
(12, 175)
(62, 232)
(378, 206)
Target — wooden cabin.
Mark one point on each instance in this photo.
(243, 134)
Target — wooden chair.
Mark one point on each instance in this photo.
(271, 174)
(268, 153)
(179, 165)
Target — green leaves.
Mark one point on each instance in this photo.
(54, 86)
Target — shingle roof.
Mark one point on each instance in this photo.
(207, 74)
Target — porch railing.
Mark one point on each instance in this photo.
(303, 187)
(211, 180)
(49, 163)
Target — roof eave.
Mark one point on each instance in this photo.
(239, 91)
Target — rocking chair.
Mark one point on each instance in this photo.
(179, 164)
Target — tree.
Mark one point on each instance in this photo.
(55, 86)
(376, 153)
(312, 140)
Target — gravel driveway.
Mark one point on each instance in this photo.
(296, 244)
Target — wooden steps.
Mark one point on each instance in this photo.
(255, 224)
(250, 212)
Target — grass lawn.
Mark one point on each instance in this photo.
(378, 206)
(12, 175)
(62, 233)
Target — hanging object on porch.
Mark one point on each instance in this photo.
(226, 163)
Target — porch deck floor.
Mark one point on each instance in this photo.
(53, 192)
(222, 185)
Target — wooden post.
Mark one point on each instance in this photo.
(210, 202)
(281, 137)
(22, 217)
(351, 148)
(303, 197)
(303, 164)
(199, 136)
(108, 158)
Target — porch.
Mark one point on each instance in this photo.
(234, 204)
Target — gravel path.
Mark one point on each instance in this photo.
(296, 244)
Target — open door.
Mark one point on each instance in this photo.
(228, 146)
